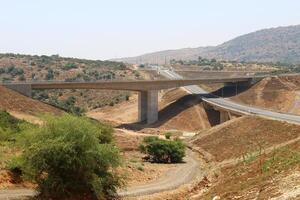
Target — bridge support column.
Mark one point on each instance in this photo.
(152, 106)
(148, 106)
(142, 106)
(224, 116)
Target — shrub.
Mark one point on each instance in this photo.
(69, 66)
(163, 151)
(10, 128)
(168, 135)
(71, 156)
(70, 106)
(50, 75)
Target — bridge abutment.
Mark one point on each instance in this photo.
(24, 89)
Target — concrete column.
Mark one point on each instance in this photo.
(142, 106)
(224, 116)
(152, 106)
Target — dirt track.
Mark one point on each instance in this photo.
(174, 178)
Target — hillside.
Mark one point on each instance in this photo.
(280, 44)
(17, 68)
(276, 93)
(249, 164)
(23, 107)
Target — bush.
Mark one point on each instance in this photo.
(163, 151)
(10, 127)
(71, 156)
(69, 66)
(168, 135)
(70, 106)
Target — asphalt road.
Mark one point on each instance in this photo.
(230, 105)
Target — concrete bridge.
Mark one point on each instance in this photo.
(148, 89)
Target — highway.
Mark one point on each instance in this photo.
(227, 104)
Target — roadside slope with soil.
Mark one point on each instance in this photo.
(23, 107)
(277, 93)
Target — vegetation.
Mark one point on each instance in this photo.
(281, 159)
(69, 66)
(69, 105)
(16, 67)
(70, 157)
(213, 63)
(10, 127)
(268, 45)
(163, 151)
(168, 135)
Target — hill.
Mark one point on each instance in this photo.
(281, 44)
(18, 68)
(247, 164)
(276, 93)
(23, 107)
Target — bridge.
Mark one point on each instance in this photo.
(229, 109)
(147, 89)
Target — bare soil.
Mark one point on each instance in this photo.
(176, 108)
(276, 93)
(23, 107)
(248, 180)
(244, 135)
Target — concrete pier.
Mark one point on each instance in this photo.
(148, 106)
(224, 116)
(142, 106)
(152, 106)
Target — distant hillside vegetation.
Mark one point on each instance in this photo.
(20, 68)
(280, 44)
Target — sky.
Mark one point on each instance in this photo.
(98, 29)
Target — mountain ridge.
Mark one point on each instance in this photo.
(279, 44)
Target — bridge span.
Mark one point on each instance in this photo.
(148, 89)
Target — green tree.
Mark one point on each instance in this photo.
(163, 151)
(71, 156)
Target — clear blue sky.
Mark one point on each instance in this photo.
(99, 29)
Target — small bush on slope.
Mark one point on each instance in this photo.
(163, 151)
(71, 156)
(9, 126)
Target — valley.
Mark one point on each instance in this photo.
(251, 154)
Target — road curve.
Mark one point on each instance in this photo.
(227, 104)
(175, 177)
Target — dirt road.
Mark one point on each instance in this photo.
(174, 178)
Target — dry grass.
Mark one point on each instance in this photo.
(247, 134)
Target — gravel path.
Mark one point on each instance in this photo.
(174, 178)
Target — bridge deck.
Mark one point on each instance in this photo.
(134, 85)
